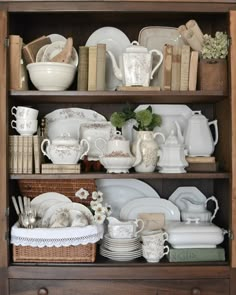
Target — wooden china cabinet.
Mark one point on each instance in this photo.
(80, 19)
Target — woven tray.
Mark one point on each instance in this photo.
(67, 187)
(71, 254)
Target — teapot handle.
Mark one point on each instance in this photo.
(160, 54)
(216, 130)
(88, 147)
(42, 147)
(97, 147)
(161, 134)
(212, 198)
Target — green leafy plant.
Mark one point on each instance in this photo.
(215, 47)
(146, 119)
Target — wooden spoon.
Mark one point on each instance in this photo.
(65, 54)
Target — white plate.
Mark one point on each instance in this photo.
(117, 192)
(52, 211)
(48, 196)
(55, 48)
(190, 193)
(56, 37)
(116, 41)
(168, 112)
(133, 208)
(155, 37)
(43, 206)
(40, 53)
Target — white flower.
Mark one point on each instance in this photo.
(99, 218)
(93, 205)
(108, 209)
(82, 194)
(100, 209)
(94, 195)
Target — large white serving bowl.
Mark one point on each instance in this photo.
(52, 76)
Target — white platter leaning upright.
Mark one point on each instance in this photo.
(116, 41)
(117, 192)
(36, 202)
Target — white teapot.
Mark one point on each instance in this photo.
(65, 149)
(136, 65)
(198, 137)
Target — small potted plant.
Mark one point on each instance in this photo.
(145, 122)
(213, 64)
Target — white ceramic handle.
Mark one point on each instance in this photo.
(161, 134)
(195, 220)
(165, 236)
(214, 123)
(167, 250)
(12, 124)
(137, 221)
(212, 198)
(88, 147)
(12, 111)
(42, 147)
(97, 147)
(158, 53)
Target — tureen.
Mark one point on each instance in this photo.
(65, 149)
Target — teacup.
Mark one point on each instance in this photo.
(154, 238)
(24, 113)
(154, 254)
(126, 229)
(25, 127)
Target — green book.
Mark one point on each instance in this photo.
(196, 254)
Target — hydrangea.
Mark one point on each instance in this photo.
(215, 47)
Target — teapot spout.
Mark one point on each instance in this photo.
(113, 220)
(116, 69)
(179, 133)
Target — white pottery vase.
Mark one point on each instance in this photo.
(149, 149)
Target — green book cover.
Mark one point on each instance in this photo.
(196, 254)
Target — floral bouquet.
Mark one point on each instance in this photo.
(100, 211)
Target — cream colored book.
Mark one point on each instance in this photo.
(184, 71)
(167, 66)
(15, 53)
(83, 69)
(20, 154)
(176, 67)
(60, 168)
(193, 68)
(15, 154)
(92, 68)
(37, 154)
(25, 154)
(30, 155)
(101, 66)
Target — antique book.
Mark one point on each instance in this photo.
(30, 155)
(202, 167)
(184, 71)
(193, 67)
(196, 254)
(15, 54)
(138, 88)
(92, 68)
(167, 66)
(10, 154)
(15, 154)
(20, 154)
(200, 159)
(37, 154)
(152, 221)
(60, 168)
(25, 154)
(82, 83)
(101, 66)
(31, 49)
(176, 65)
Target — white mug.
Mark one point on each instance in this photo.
(153, 238)
(24, 113)
(154, 254)
(126, 229)
(25, 127)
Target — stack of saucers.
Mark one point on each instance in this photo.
(121, 249)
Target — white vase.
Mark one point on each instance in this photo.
(149, 149)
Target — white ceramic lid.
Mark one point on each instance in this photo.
(136, 48)
(197, 116)
(118, 136)
(65, 139)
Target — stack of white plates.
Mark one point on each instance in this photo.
(121, 249)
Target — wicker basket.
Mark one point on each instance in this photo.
(68, 187)
(71, 254)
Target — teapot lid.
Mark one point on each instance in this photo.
(172, 139)
(136, 48)
(197, 115)
(65, 139)
(118, 136)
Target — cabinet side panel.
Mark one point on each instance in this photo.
(233, 110)
(3, 154)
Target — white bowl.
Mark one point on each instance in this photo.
(51, 75)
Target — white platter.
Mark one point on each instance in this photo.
(155, 37)
(53, 210)
(48, 196)
(117, 192)
(116, 41)
(169, 113)
(133, 208)
(190, 193)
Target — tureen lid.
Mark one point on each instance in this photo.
(65, 139)
(135, 47)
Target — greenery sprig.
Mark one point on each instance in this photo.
(215, 47)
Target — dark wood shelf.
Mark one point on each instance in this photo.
(155, 175)
(111, 97)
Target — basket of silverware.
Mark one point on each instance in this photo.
(53, 229)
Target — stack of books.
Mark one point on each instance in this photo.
(202, 164)
(92, 67)
(25, 154)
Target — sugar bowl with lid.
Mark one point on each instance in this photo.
(64, 149)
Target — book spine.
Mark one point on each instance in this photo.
(37, 153)
(15, 52)
(83, 69)
(11, 152)
(196, 254)
(92, 68)
(15, 153)
(193, 67)
(101, 66)
(25, 154)
(175, 73)
(20, 155)
(167, 66)
(184, 71)
(30, 155)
